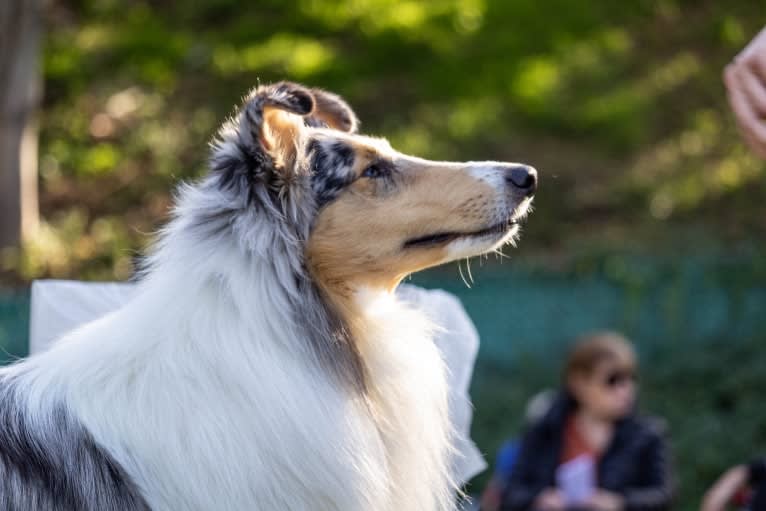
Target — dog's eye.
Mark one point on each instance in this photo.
(375, 171)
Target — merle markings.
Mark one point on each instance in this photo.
(49, 462)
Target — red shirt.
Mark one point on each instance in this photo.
(575, 443)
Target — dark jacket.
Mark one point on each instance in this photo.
(757, 481)
(636, 464)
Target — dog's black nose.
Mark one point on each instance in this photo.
(522, 177)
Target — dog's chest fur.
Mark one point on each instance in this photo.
(224, 417)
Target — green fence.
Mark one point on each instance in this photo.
(700, 327)
(523, 312)
(14, 325)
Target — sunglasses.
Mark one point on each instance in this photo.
(615, 379)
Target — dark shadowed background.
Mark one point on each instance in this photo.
(649, 219)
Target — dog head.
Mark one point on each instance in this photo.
(363, 213)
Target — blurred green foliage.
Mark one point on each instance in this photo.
(619, 104)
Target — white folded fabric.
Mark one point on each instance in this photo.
(59, 306)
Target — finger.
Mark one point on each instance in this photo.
(756, 63)
(730, 76)
(755, 46)
(747, 117)
(758, 148)
(754, 90)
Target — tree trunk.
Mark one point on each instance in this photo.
(20, 91)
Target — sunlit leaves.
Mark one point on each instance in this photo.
(619, 104)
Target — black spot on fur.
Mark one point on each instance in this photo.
(53, 464)
(240, 170)
(344, 154)
(213, 223)
(331, 170)
(313, 122)
(294, 97)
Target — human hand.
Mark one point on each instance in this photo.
(745, 79)
(603, 500)
(720, 494)
(550, 499)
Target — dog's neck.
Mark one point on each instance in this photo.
(358, 305)
(261, 272)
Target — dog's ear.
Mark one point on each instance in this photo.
(333, 111)
(272, 118)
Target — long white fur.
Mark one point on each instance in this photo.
(200, 389)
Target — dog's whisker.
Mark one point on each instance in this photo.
(468, 267)
(500, 254)
(460, 270)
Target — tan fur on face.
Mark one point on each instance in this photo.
(358, 240)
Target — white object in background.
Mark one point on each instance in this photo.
(458, 342)
(59, 306)
(577, 479)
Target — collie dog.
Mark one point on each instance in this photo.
(264, 362)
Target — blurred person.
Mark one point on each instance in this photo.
(743, 486)
(745, 79)
(592, 450)
(505, 459)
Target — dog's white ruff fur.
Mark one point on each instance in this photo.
(59, 306)
(203, 391)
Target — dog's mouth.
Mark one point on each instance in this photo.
(498, 230)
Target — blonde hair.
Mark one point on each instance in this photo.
(591, 350)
